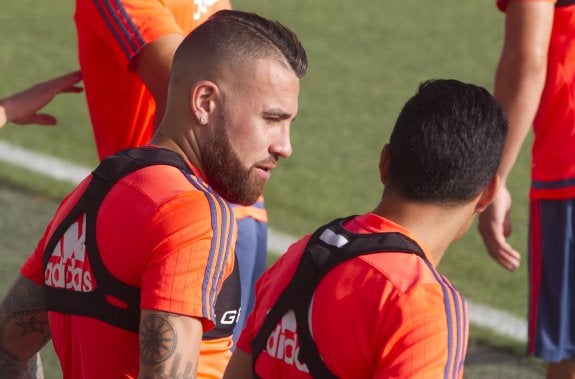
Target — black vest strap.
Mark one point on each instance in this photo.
(329, 246)
(98, 303)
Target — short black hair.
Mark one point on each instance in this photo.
(447, 143)
(241, 35)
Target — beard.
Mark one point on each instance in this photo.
(225, 172)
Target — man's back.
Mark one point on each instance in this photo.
(369, 316)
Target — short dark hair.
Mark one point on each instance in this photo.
(447, 143)
(241, 35)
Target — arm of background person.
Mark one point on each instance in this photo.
(239, 366)
(169, 345)
(22, 108)
(519, 82)
(153, 64)
(25, 330)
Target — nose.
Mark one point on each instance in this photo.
(281, 146)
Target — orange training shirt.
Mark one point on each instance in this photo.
(157, 229)
(388, 315)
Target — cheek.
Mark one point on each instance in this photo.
(250, 140)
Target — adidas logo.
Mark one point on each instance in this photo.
(283, 342)
(67, 267)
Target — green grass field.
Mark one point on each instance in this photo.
(366, 59)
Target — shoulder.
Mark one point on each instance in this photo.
(395, 286)
(397, 307)
(163, 201)
(403, 270)
(161, 184)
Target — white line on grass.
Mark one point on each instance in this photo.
(43, 164)
(278, 242)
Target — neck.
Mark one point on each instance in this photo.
(169, 137)
(434, 225)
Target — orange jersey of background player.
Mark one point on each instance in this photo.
(111, 34)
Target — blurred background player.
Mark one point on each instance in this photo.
(125, 51)
(22, 107)
(535, 83)
(386, 314)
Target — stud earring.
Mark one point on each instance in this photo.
(203, 119)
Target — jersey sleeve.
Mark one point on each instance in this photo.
(32, 267)
(191, 240)
(133, 24)
(426, 334)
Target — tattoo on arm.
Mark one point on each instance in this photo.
(24, 329)
(158, 339)
(24, 295)
(158, 343)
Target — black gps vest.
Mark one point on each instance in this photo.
(329, 246)
(112, 300)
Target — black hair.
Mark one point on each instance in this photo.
(447, 142)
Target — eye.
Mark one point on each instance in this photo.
(275, 116)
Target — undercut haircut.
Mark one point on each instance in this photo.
(230, 37)
(447, 143)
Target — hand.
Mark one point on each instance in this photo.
(22, 108)
(495, 226)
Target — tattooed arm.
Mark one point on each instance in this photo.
(24, 330)
(169, 345)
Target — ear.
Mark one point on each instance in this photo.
(384, 159)
(203, 100)
(488, 194)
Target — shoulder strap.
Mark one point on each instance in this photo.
(329, 246)
(111, 300)
(564, 3)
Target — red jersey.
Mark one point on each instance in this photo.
(159, 230)
(553, 158)
(374, 316)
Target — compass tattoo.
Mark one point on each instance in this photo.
(158, 339)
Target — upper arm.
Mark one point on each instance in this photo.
(153, 64)
(169, 344)
(528, 28)
(239, 366)
(521, 71)
(24, 325)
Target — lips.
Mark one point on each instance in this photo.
(266, 168)
(263, 172)
(267, 165)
